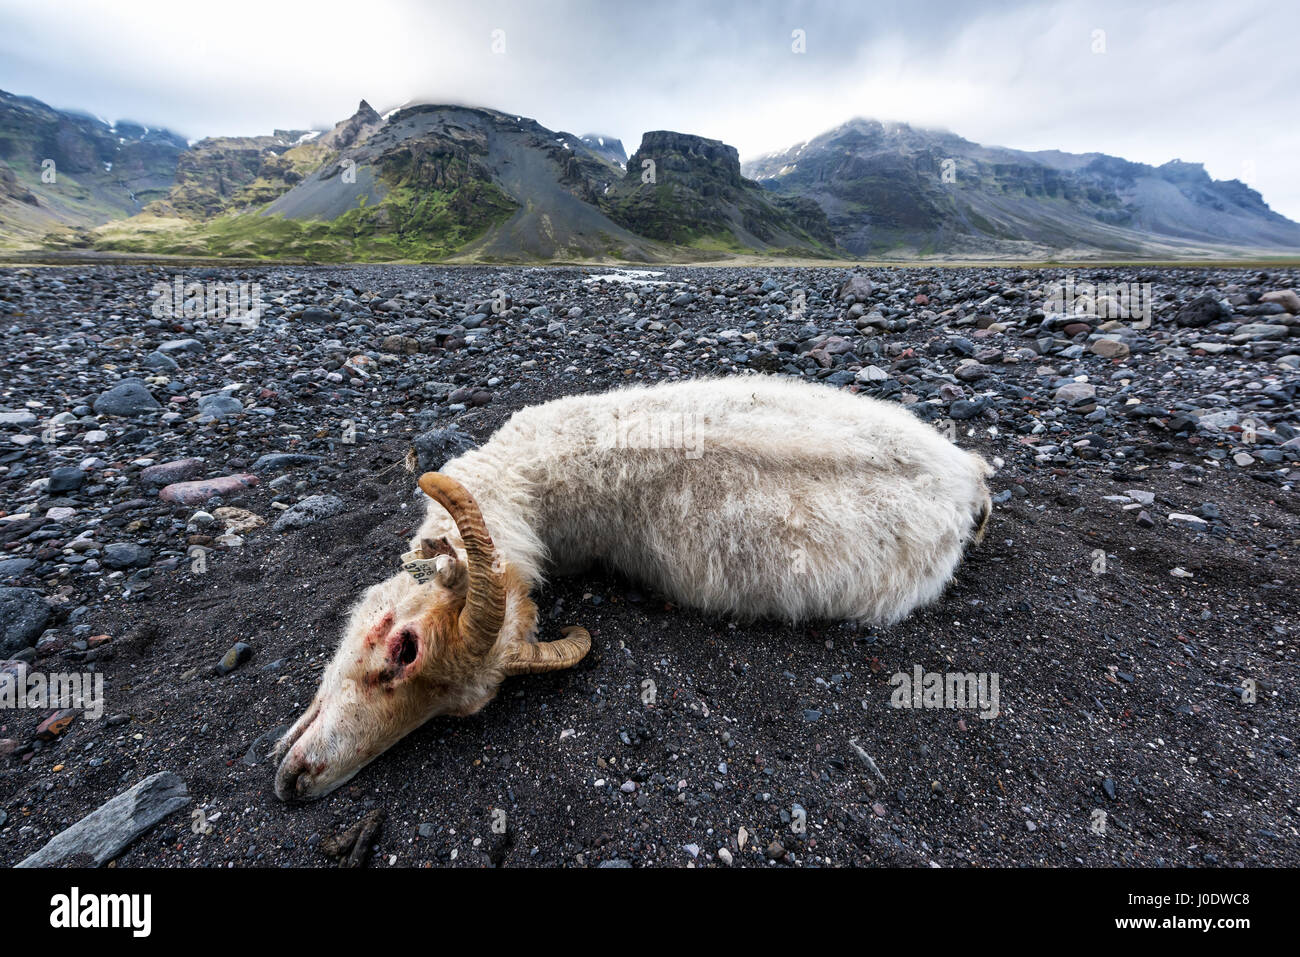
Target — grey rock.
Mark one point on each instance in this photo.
(1260, 332)
(968, 408)
(23, 616)
(13, 567)
(278, 461)
(871, 374)
(857, 286)
(219, 405)
(125, 555)
(181, 345)
(161, 362)
(1219, 420)
(972, 372)
(308, 511)
(17, 419)
(1073, 392)
(436, 447)
(1201, 311)
(66, 479)
(105, 833)
(129, 397)
(1193, 522)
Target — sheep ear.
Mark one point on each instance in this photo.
(431, 548)
(453, 575)
(452, 572)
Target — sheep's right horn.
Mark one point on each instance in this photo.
(529, 658)
(485, 605)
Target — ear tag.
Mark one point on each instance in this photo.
(420, 568)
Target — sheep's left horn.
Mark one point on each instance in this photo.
(485, 605)
(528, 658)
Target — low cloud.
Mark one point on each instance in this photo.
(1201, 81)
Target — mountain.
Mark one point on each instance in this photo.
(444, 180)
(355, 129)
(439, 181)
(689, 190)
(608, 148)
(433, 182)
(60, 171)
(884, 190)
(220, 174)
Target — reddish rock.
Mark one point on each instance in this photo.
(166, 473)
(822, 356)
(196, 493)
(55, 724)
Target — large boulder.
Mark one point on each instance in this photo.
(198, 492)
(308, 511)
(24, 614)
(857, 286)
(219, 405)
(129, 397)
(436, 447)
(103, 834)
(1201, 311)
(67, 478)
(1073, 392)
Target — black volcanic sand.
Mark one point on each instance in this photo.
(1120, 691)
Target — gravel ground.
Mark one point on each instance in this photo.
(1135, 595)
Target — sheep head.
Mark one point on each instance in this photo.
(413, 650)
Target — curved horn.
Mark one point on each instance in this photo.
(485, 605)
(527, 658)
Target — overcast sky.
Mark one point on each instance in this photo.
(1211, 82)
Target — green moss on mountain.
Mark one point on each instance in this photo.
(436, 202)
(222, 174)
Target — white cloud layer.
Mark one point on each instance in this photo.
(1202, 81)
